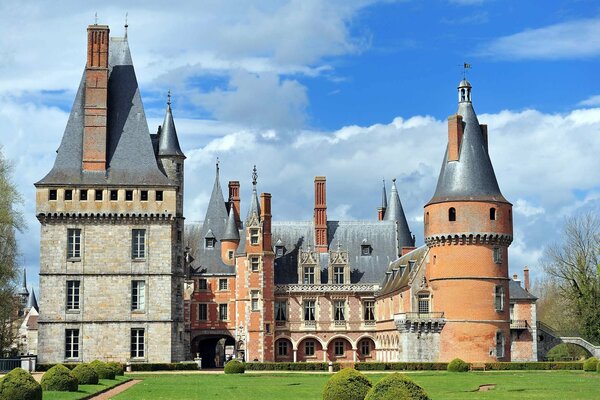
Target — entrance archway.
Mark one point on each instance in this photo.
(214, 350)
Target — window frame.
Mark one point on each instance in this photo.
(202, 284)
(337, 346)
(98, 194)
(254, 236)
(282, 348)
(255, 263)
(497, 254)
(254, 300)
(68, 194)
(158, 195)
(309, 308)
(52, 194)
(143, 195)
(308, 271)
(280, 310)
(72, 344)
(138, 296)
(452, 214)
(339, 310)
(73, 298)
(73, 244)
(369, 308)
(365, 347)
(424, 303)
(202, 306)
(223, 284)
(310, 348)
(500, 341)
(138, 244)
(223, 316)
(138, 343)
(339, 272)
(499, 296)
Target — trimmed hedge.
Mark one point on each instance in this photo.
(117, 367)
(59, 378)
(591, 364)
(290, 366)
(102, 369)
(85, 374)
(458, 365)
(183, 366)
(533, 366)
(347, 384)
(401, 366)
(234, 367)
(396, 387)
(18, 384)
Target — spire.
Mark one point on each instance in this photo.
(216, 213)
(231, 230)
(168, 144)
(254, 205)
(467, 172)
(395, 212)
(384, 202)
(23, 289)
(32, 301)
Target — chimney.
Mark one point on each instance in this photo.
(265, 216)
(380, 213)
(95, 99)
(526, 278)
(234, 200)
(320, 216)
(455, 135)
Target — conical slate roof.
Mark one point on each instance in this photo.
(168, 143)
(23, 289)
(395, 212)
(384, 202)
(32, 301)
(231, 230)
(254, 204)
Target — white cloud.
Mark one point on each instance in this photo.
(572, 39)
(525, 208)
(591, 101)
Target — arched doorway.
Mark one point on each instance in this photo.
(214, 350)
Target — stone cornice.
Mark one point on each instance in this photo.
(491, 238)
(106, 217)
(327, 288)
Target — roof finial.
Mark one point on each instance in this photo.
(254, 176)
(96, 18)
(169, 97)
(466, 66)
(126, 25)
(217, 165)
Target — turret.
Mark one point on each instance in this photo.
(395, 212)
(231, 239)
(23, 293)
(381, 210)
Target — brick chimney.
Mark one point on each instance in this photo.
(265, 217)
(95, 99)
(320, 216)
(526, 278)
(455, 135)
(234, 200)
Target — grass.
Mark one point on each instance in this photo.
(85, 390)
(439, 385)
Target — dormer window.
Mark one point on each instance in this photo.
(411, 265)
(209, 243)
(338, 275)
(365, 250)
(253, 236)
(279, 251)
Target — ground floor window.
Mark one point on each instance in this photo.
(339, 348)
(309, 348)
(137, 343)
(365, 347)
(72, 343)
(499, 345)
(282, 348)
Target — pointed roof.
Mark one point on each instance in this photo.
(231, 230)
(395, 212)
(32, 301)
(384, 202)
(23, 289)
(254, 204)
(472, 177)
(168, 144)
(130, 155)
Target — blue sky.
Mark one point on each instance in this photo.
(357, 90)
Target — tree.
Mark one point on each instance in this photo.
(574, 263)
(11, 221)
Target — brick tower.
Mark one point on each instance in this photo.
(468, 228)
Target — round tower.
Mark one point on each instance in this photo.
(468, 228)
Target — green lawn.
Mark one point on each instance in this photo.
(85, 390)
(439, 385)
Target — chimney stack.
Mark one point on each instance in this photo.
(320, 215)
(455, 135)
(234, 201)
(95, 99)
(265, 211)
(526, 278)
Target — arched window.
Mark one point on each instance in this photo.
(426, 217)
(452, 214)
(492, 214)
(462, 94)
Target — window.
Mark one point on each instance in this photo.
(365, 250)
(98, 194)
(255, 301)
(114, 195)
(144, 195)
(338, 275)
(129, 195)
(339, 307)
(202, 284)
(452, 214)
(254, 263)
(209, 243)
(138, 243)
(137, 343)
(83, 194)
(52, 194)
(497, 255)
(492, 214)
(423, 303)
(202, 312)
(177, 167)
(339, 348)
(309, 310)
(309, 275)
(159, 195)
(281, 310)
(268, 328)
(499, 298)
(309, 348)
(223, 284)
(138, 295)
(365, 347)
(253, 236)
(72, 343)
(369, 310)
(179, 235)
(223, 312)
(282, 348)
(279, 251)
(73, 295)
(411, 265)
(230, 254)
(499, 344)
(68, 194)
(73, 243)
(426, 218)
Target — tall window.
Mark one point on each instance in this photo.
(52, 194)
(309, 275)
(309, 310)
(492, 214)
(309, 348)
(497, 255)
(144, 195)
(365, 347)
(499, 344)
(73, 295)
(499, 298)
(202, 284)
(138, 295)
(68, 194)
(452, 214)
(339, 348)
(138, 243)
(223, 284)
(339, 309)
(424, 303)
(73, 243)
(202, 312)
(254, 300)
(223, 312)
(281, 310)
(159, 195)
(369, 310)
(338, 275)
(137, 343)
(282, 348)
(254, 263)
(98, 194)
(72, 343)
(253, 236)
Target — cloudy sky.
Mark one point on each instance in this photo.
(357, 90)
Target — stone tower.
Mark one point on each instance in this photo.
(468, 228)
(111, 267)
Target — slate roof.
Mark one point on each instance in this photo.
(518, 293)
(231, 230)
(130, 155)
(397, 274)
(168, 144)
(23, 289)
(32, 301)
(395, 212)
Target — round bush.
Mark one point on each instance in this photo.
(590, 364)
(59, 378)
(18, 384)
(235, 367)
(117, 367)
(396, 387)
(347, 384)
(458, 365)
(103, 370)
(85, 374)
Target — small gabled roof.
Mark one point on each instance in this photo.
(518, 293)
(168, 143)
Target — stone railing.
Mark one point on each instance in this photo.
(326, 288)
(518, 324)
(420, 322)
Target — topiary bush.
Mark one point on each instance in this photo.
(458, 365)
(117, 367)
(396, 387)
(102, 369)
(85, 374)
(235, 367)
(18, 384)
(348, 384)
(59, 378)
(591, 364)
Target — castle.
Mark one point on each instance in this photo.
(117, 283)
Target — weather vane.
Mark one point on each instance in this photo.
(96, 18)
(465, 66)
(169, 97)
(126, 24)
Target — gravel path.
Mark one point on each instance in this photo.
(115, 391)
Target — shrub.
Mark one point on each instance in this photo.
(182, 366)
(590, 364)
(59, 378)
(18, 384)
(102, 369)
(85, 374)
(348, 384)
(401, 366)
(117, 367)
(235, 367)
(458, 365)
(396, 387)
(567, 351)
